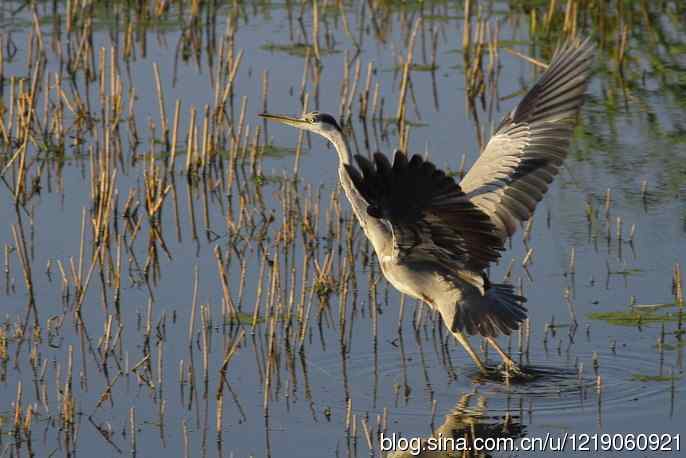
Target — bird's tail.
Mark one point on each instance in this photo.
(498, 311)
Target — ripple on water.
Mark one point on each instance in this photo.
(557, 383)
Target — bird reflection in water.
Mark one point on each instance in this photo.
(470, 430)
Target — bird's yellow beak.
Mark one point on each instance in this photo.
(288, 120)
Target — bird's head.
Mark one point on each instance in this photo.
(320, 123)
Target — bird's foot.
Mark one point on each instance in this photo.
(512, 371)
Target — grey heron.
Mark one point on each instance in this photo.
(435, 238)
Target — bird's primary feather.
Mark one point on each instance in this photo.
(519, 162)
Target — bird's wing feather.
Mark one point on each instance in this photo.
(433, 223)
(519, 162)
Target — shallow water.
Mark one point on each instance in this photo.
(360, 370)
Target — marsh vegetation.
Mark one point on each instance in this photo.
(177, 275)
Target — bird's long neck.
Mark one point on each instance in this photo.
(341, 144)
(375, 230)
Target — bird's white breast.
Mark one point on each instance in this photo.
(425, 285)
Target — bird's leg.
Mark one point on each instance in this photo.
(470, 351)
(509, 363)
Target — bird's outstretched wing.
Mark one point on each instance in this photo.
(527, 150)
(432, 221)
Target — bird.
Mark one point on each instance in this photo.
(435, 238)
